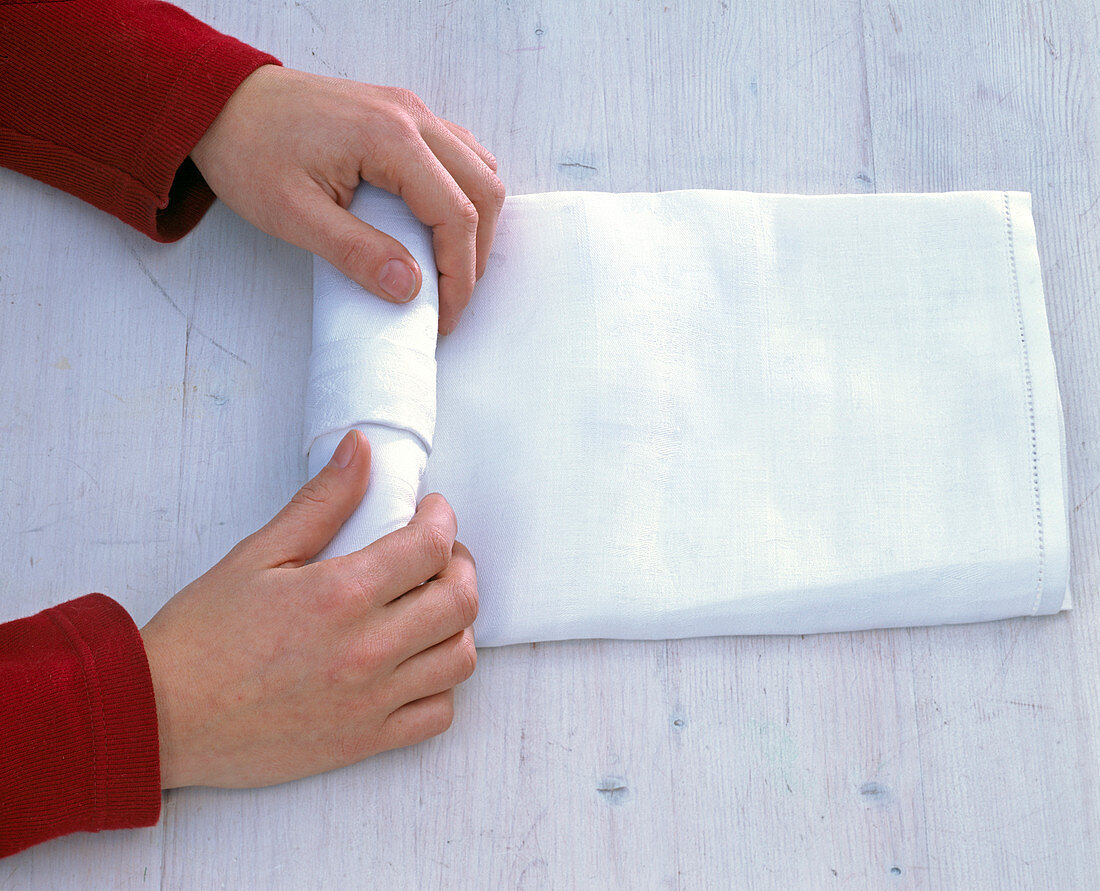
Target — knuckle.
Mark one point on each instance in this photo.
(247, 547)
(357, 589)
(388, 123)
(445, 506)
(466, 215)
(405, 130)
(489, 197)
(330, 593)
(434, 543)
(467, 657)
(392, 165)
(408, 101)
(315, 492)
(498, 192)
(464, 598)
(464, 552)
(442, 719)
(356, 253)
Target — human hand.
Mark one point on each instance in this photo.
(288, 149)
(268, 669)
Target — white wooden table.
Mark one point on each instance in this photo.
(151, 408)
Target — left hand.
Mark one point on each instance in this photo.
(289, 148)
(269, 668)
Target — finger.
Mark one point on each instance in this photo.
(438, 610)
(377, 261)
(317, 511)
(446, 665)
(407, 557)
(437, 201)
(467, 137)
(480, 184)
(418, 720)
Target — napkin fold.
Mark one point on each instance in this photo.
(702, 412)
(372, 367)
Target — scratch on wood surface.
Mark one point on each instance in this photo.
(156, 284)
(190, 326)
(1080, 504)
(79, 467)
(1002, 669)
(894, 19)
(1016, 86)
(801, 60)
(112, 394)
(1088, 211)
(61, 519)
(315, 18)
(1033, 706)
(1073, 319)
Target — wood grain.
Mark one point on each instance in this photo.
(152, 406)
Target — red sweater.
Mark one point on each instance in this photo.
(104, 99)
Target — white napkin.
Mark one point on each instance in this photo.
(373, 367)
(698, 413)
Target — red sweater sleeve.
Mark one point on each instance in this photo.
(106, 98)
(78, 724)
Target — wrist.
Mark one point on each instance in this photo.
(219, 135)
(167, 702)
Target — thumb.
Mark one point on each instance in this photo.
(317, 511)
(376, 261)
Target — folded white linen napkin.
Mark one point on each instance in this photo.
(700, 412)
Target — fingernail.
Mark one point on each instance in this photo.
(398, 280)
(446, 326)
(349, 445)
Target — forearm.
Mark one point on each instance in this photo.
(106, 98)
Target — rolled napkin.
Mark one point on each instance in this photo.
(373, 367)
(698, 413)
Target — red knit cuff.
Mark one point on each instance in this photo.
(79, 746)
(125, 782)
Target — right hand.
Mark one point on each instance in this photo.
(269, 668)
